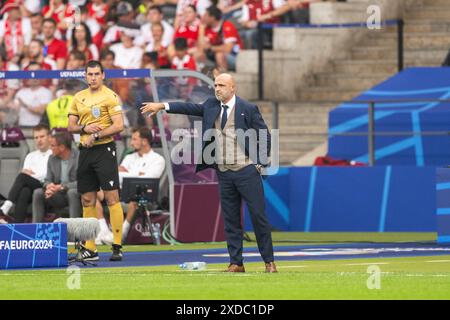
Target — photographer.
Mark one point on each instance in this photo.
(143, 163)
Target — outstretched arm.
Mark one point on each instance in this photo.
(174, 107)
(152, 108)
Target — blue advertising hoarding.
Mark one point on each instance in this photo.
(33, 245)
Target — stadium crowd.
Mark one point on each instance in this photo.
(201, 35)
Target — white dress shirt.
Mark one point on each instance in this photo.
(151, 164)
(37, 162)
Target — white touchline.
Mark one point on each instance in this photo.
(365, 264)
(438, 261)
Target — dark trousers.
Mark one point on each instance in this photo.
(235, 186)
(21, 194)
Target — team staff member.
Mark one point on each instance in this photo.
(96, 114)
(237, 169)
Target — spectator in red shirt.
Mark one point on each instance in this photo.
(62, 13)
(54, 49)
(81, 40)
(255, 11)
(189, 29)
(15, 31)
(97, 9)
(35, 54)
(158, 45)
(183, 61)
(294, 11)
(200, 6)
(8, 89)
(220, 40)
(125, 21)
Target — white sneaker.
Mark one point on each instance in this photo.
(98, 240)
(107, 237)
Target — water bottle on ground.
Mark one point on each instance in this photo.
(156, 233)
(195, 265)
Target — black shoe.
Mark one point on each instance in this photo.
(6, 218)
(88, 255)
(117, 253)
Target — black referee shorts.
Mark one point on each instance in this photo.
(97, 168)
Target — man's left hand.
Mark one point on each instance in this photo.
(89, 142)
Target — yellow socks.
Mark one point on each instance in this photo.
(116, 219)
(90, 212)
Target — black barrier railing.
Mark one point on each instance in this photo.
(262, 26)
(371, 132)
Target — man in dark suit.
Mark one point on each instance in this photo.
(238, 132)
(60, 185)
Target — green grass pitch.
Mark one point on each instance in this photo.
(400, 278)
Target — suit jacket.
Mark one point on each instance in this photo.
(247, 116)
(54, 170)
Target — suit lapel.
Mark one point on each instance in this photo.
(238, 116)
(58, 171)
(215, 112)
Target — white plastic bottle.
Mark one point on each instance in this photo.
(195, 265)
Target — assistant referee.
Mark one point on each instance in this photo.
(96, 113)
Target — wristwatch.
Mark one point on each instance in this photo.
(96, 136)
(82, 128)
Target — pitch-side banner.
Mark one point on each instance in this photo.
(73, 74)
(34, 245)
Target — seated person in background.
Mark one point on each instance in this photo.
(76, 60)
(189, 30)
(255, 11)
(159, 45)
(60, 185)
(30, 101)
(183, 61)
(143, 163)
(56, 49)
(230, 8)
(30, 178)
(8, 88)
(154, 15)
(127, 54)
(219, 40)
(119, 85)
(296, 11)
(35, 53)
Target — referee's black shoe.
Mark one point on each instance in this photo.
(117, 253)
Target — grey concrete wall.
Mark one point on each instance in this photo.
(300, 52)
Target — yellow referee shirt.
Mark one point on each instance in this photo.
(97, 107)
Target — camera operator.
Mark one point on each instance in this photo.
(143, 163)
